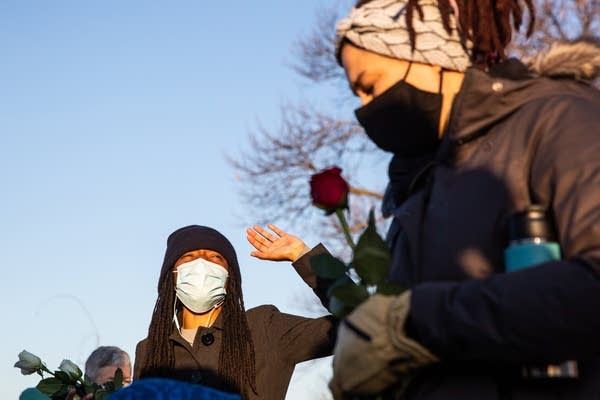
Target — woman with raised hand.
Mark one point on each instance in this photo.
(201, 332)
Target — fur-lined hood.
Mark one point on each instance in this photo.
(488, 97)
(579, 60)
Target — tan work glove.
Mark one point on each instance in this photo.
(372, 352)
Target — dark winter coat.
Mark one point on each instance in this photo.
(510, 143)
(280, 342)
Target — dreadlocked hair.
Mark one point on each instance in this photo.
(486, 23)
(236, 359)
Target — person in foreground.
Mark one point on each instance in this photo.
(169, 389)
(475, 137)
(200, 331)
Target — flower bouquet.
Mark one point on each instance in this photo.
(368, 270)
(68, 378)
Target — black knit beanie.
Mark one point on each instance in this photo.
(195, 237)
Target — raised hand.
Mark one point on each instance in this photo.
(276, 245)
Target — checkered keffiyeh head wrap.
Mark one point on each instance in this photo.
(380, 26)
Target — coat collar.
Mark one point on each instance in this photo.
(486, 98)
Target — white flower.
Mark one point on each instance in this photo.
(28, 363)
(71, 369)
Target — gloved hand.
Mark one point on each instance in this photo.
(372, 352)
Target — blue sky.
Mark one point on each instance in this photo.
(115, 118)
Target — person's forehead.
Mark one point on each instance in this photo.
(357, 61)
(199, 253)
(206, 254)
(202, 250)
(114, 367)
(366, 66)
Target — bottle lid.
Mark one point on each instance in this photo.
(533, 222)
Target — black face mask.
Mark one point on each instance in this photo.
(403, 120)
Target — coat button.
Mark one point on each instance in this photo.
(208, 339)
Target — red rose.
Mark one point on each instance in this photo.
(329, 190)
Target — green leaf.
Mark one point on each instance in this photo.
(344, 280)
(115, 384)
(101, 394)
(63, 377)
(388, 288)
(50, 386)
(62, 393)
(90, 387)
(348, 292)
(118, 380)
(372, 257)
(327, 266)
(338, 308)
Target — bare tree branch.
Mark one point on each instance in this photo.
(366, 192)
(314, 53)
(276, 170)
(558, 20)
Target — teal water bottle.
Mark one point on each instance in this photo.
(532, 241)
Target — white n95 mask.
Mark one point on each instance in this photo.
(201, 285)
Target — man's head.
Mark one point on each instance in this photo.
(102, 364)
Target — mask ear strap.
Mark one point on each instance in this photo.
(175, 320)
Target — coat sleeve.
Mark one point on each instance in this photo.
(299, 338)
(547, 313)
(318, 284)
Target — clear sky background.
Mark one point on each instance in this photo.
(115, 117)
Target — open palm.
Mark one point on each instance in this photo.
(276, 245)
